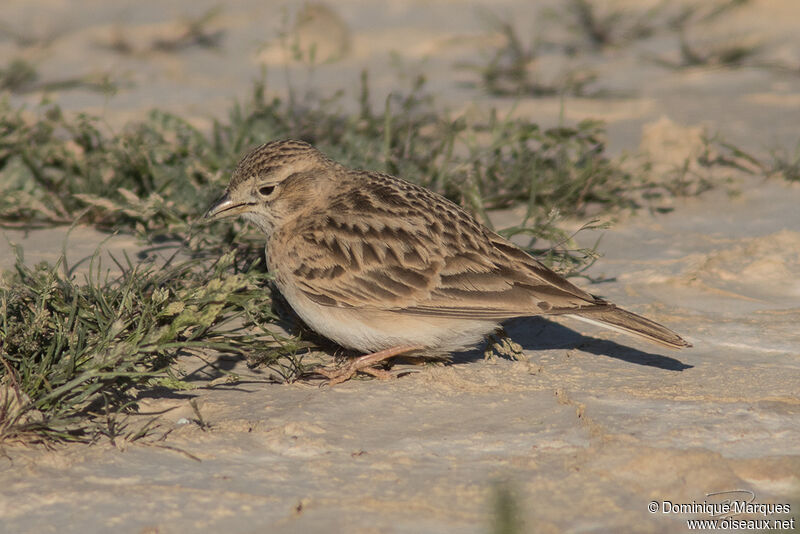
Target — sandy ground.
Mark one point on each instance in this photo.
(587, 431)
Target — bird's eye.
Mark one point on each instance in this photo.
(266, 190)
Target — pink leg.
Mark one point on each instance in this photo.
(364, 364)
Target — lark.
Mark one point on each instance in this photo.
(387, 268)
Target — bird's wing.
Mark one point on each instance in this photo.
(414, 252)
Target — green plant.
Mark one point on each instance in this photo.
(512, 70)
(20, 76)
(76, 354)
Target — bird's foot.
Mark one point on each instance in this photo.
(364, 364)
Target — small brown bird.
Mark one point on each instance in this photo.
(386, 267)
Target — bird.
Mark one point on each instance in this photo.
(386, 267)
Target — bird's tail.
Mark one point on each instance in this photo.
(630, 323)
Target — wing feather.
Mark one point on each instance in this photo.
(372, 253)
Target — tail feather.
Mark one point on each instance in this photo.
(630, 323)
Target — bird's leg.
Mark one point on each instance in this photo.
(364, 364)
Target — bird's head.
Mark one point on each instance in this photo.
(273, 182)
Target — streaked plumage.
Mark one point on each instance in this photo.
(373, 262)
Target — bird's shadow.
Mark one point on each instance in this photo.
(537, 333)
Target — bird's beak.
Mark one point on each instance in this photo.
(225, 207)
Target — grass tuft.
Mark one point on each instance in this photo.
(75, 354)
(513, 70)
(20, 76)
